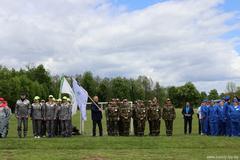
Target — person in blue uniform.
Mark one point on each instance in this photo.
(234, 114)
(213, 114)
(204, 113)
(227, 119)
(221, 120)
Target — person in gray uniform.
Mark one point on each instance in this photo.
(65, 117)
(50, 116)
(22, 112)
(5, 113)
(37, 117)
(57, 124)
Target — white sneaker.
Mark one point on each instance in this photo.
(35, 137)
(38, 137)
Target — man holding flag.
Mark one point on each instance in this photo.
(96, 116)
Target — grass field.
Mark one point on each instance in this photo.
(85, 147)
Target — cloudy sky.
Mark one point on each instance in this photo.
(172, 41)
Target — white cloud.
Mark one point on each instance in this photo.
(172, 42)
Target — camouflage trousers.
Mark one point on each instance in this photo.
(140, 127)
(124, 126)
(37, 127)
(66, 128)
(169, 127)
(22, 122)
(154, 127)
(57, 127)
(3, 127)
(50, 128)
(113, 128)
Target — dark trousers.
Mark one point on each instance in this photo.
(50, 127)
(99, 123)
(66, 128)
(169, 127)
(124, 126)
(141, 127)
(154, 127)
(113, 128)
(44, 128)
(187, 125)
(37, 127)
(57, 127)
(22, 122)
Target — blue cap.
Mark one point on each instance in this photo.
(235, 100)
(205, 100)
(227, 98)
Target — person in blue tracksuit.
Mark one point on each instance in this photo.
(227, 119)
(234, 114)
(204, 113)
(213, 113)
(221, 120)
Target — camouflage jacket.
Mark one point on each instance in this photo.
(125, 112)
(65, 112)
(154, 112)
(23, 108)
(113, 113)
(37, 111)
(50, 111)
(141, 113)
(168, 112)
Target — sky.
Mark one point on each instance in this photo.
(171, 41)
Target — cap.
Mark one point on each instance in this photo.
(36, 98)
(50, 96)
(227, 98)
(64, 98)
(59, 100)
(2, 99)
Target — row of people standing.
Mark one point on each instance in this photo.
(220, 118)
(119, 114)
(50, 118)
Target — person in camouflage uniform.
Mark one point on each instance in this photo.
(125, 114)
(37, 117)
(5, 113)
(135, 106)
(113, 117)
(65, 113)
(168, 115)
(141, 115)
(50, 116)
(43, 128)
(57, 124)
(154, 117)
(22, 112)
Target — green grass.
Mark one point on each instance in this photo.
(85, 147)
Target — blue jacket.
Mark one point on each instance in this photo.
(96, 113)
(213, 113)
(221, 113)
(234, 113)
(226, 110)
(204, 112)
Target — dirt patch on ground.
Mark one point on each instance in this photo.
(95, 158)
(7, 155)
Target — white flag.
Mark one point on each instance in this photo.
(81, 97)
(66, 88)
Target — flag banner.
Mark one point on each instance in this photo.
(81, 97)
(66, 88)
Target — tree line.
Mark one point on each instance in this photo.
(37, 80)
